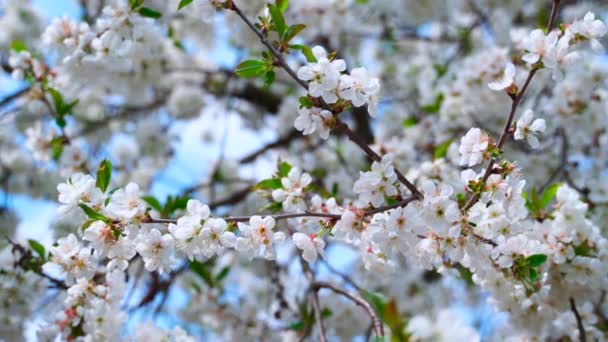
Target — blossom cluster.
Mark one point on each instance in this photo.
(328, 81)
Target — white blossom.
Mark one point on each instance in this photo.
(528, 129)
(311, 246)
(324, 75)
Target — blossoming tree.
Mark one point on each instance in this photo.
(456, 150)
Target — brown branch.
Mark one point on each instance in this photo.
(278, 56)
(342, 127)
(285, 216)
(582, 336)
(516, 100)
(377, 323)
(280, 142)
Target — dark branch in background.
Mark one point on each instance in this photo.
(25, 262)
(280, 142)
(9, 98)
(582, 336)
(516, 100)
(342, 127)
(376, 322)
(314, 298)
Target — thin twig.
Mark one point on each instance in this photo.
(278, 56)
(516, 100)
(582, 336)
(377, 323)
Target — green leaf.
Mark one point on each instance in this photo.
(175, 203)
(536, 260)
(549, 194)
(134, 4)
(284, 168)
(273, 207)
(442, 149)
(533, 275)
(293, 31)
(306, 51)
(268, 184)
(389, 200)
(250, 68)
(277, 19)
(38, 248)
(305, 102)
(222, 274)
(61, 107)
(269, 78)
(149, 13)
(297, 326)
(409, 122)
(183, 3)
(153, 202)
(282, 4)
(18, 46)
(376, 300)
(91, 213)
(104, 174)
(87, 224)
(57, 147)
(202, 271)
(434, 107)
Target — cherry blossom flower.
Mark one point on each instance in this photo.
(473, 146)
(311, 246)
(79, 188)
(590, 28)
(360, 88)
(257, 237)
(539, 45)
(293, 191)
(324, 75)
(507, 79)
(528, 129)
(312, 120)
(126, 204)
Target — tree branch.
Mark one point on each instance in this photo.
(377, 323)
(579, 322)
(516, 100)
(344, 128)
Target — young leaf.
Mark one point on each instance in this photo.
(104, 174)
(434, 107)
(536, 260)
(38, 248)
(183, 3)
(201, 269)
(268, 184)
(153, 202)
(306, 51)
(549, 194)
(18, 46)
(273, 207)
(282, 4)
(442, 149)
(269, 78)
(250, 68)
(293, 31)
(277, 19)
(223, 273)
(284, 168)
(149, 13)
(91, 213)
